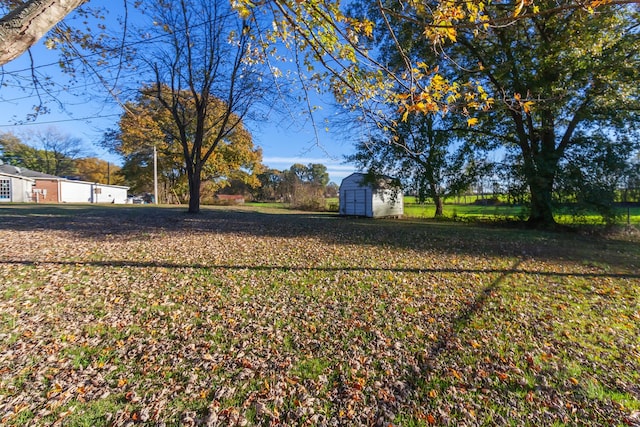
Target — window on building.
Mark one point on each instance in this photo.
(5, 189)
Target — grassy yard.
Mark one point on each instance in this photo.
(116, 315)
(470, 211)
(465, 210)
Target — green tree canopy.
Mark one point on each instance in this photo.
(421, 153)
(549, 76)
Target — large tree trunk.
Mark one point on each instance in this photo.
(439, 206)
(437, 200)
(433, 189)
(541, 214)
(194, 191)
(541, 172)
(24, 26)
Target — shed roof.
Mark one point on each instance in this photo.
(383, 181)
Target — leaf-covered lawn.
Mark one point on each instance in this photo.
(121, 315)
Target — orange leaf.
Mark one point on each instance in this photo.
(456, 374)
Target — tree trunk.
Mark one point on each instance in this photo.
(541, 214)
(433, 192)
(439, 206)
(541, 174)
(194, 191)
(24, 26)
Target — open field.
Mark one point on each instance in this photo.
(118, 315)
(469, 211)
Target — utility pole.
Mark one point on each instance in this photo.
(155, 175)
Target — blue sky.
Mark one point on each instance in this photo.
(86, 111)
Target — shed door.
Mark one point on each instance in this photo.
(356, 202)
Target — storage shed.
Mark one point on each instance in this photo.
(361, 198)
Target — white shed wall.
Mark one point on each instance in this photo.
(22, 190)
(88, 192)
(388, 203)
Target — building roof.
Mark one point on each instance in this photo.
(16, 176)
(24, 172)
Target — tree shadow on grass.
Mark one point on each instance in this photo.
(565, 396)
(142, 222)
(283, 268)
(465, 316)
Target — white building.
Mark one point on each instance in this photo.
(46, 188)
(15, 188)
(360, 198)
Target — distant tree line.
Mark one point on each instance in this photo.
(300, 186)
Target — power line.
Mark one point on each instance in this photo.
(59, 121)
(70, 88)
(62, 88)
(110, 50)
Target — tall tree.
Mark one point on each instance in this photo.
(205, 78)
(317, 175)
(545, 77)
(48, 151)
(420, 152)
(57, 151)
(97, 170)
(12, 150)
(147, 123)
(557, 76)
(269, 188)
